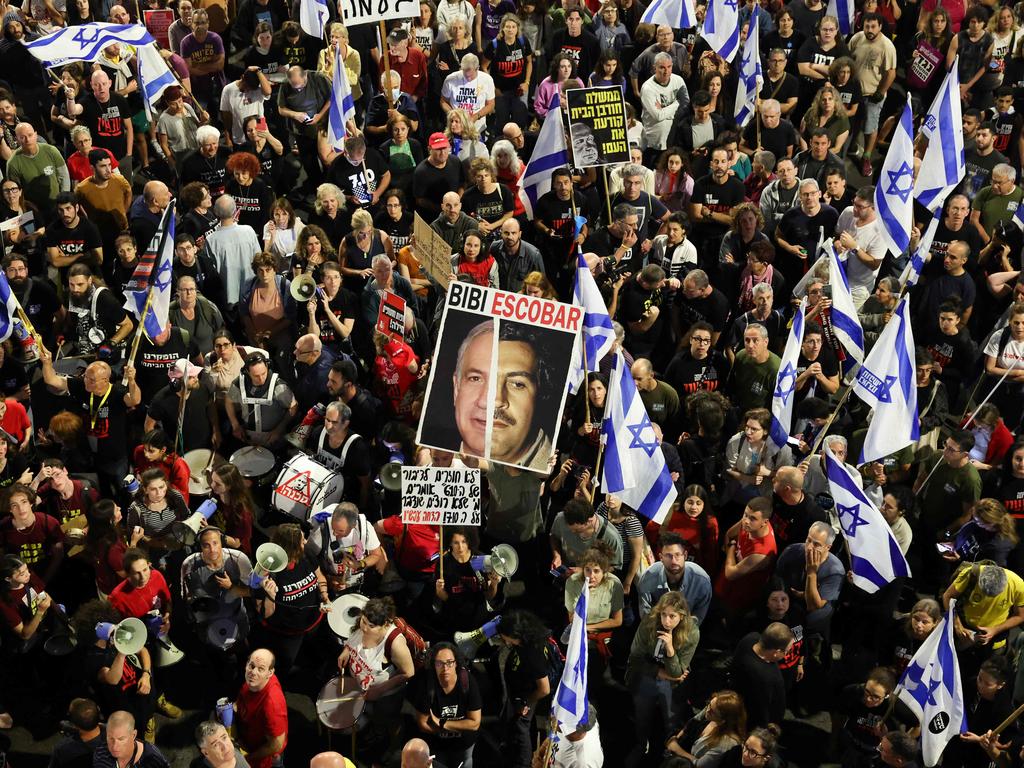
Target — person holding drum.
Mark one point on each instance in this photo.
(336, 446)
(347, 548)
(260, 406)
(235, 507)
(378, 657)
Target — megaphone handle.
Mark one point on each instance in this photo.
(440, 549)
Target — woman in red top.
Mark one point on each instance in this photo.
(235, 506)
(106, 544)
(470, 260)
(23, 599)
(992, 439)
(695, 521)
(155, 451)
(395, 369)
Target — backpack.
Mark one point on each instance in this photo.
(417, 645)
(556, 662)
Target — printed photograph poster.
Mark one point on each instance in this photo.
(597, 126)
(497, 386)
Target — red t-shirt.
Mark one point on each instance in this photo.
(15, 420)
(419, 546)
(34, 545)
(173, 466)
(19, 605)
(261, 714)
(392, 373)
(79, 167)
(741, 594)
(138, 602)
(78, 503)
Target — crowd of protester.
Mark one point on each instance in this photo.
(712, 633)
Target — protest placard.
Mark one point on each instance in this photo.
(433, 252)
(366, 11)
(597, 126)
(391, 316)
(440, 496)
(158, 21)
(501, 364)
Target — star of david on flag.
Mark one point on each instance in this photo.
(722, 28)
(785, 382)
(570, 702)
(637, 430)
(893, 200)
(146, 288)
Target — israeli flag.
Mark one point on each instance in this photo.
(751, 78)
(153, 275)
(154, 76)
(571, 702)
(942, 167)
(549, 153)
(1018, 216)
(785, 382)
(313, 15)
(875, 556)
(85, 42)
(894, 193)
(634, 466)
(722, 28)
(8, 308)
(678, 14)
(886, 382)
(343, 106)
(843, 313)
(597, 336)
(912, 272)
(842, 10)
(931, 687)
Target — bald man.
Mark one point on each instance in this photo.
(793, 511)
(313, 363)
(416, 754)
(123, 747)
(659, 398)
(261, 714)
(452, 225)
(146, 212)
(330, 760)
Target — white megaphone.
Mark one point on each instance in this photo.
(270, 558)
(503, 561)
(128, 637)
(184, 533)
(167, 653)
(469, 642)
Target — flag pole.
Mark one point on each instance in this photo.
(1006, 723)
(607, 194)
(824, 430)
(387, 63)
(138, 332)
(989, 395)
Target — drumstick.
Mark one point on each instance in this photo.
(440, 547)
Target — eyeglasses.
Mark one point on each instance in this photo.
(701, 339)
(223, 345)
(753, 752)
(444, 664)
(11, 190)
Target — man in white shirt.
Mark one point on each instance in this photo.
(471, 90)
(231, 247)
(346, 547)
(659, 98)
(240, 99)
(860, 235)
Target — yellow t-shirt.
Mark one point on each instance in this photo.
(982, 611)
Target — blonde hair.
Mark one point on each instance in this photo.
(361, 220)
(469, 131)
(994, 514)
(673, 601)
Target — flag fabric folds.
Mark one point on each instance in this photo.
(887, 383)
(912, 272)
(634, 466)
(931, 687)
(678, 14)
(843, 313)
(8, 309)
(571, 701)
(751, 78)
(875, 556)
(85, 42)
(785, 382)
(842, 10)
(942, 167)
(153, 272)
(343, 106)
(722, 28)
(597, 335)
(313, 15)
(894, 200)
(154, 76)
(549, 153)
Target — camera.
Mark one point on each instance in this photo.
(615, 269)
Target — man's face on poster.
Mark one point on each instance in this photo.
(514, 398)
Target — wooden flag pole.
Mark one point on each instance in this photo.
(387, 63)
(138, 332)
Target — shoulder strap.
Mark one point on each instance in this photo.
(391, 639)
(95, 298)
(348, 444)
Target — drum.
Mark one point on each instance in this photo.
(340, 705)
(344, 614)
(198, 461)
(305, 486)
(254, 462)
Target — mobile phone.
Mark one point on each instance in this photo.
(944, 546)
(261, 124)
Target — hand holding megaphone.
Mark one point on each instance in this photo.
(207, 508)
(270, 587)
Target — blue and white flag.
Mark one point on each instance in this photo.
(313, 15)
(571, 702)
(843, 313)
(842, 10)
(153, 273)
(678, 14)
(887, 383)
(549, 153)
(597, 334)
(154, 76)
(8, 309)
(634, 466)
(894, 199)
(875, 556)
(85, 42)
(343, 106)
(912, 272)
(785, 382)
(751, 78)
(942, 167)
(931, 687)
(722, 28)
(1018, 216)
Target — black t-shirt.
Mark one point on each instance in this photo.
(713, 308)
(196, 428)
(487, 207)
(270, 161)
(199, 225)
(298, 599)
(211, 171)
(74, 241)
(940, 244)
(685, 374)
(760, 683)
(649, 211)
(464, 698)
(40, 302)
(634, 301)
(267, 62)
(356, 463)
(109, 314)
(775, 324)
(105, 418)
(120, 695)
(151, 757)
(785, 89)
(812, 53)
(508, 62)
(526, 665)
(106, 122)
(720, 198)
(791, 522)
(829, 367)
(399, 231)
(862, 721)
(358, 180)
(777, 140)
(583, 49)
(800, 230)
(465, 609)
(429, 185)
(254, 202)
(1010, 493)
(344, 306)
(12, 376)
(75, 753)
(152, 362)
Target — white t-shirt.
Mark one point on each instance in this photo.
(471, 95)
(869, 238)
(1013, 351)
(241, 104)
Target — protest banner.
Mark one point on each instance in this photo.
(158, 21)
(391, 316)
(511, 417)
(597, 126)
(367, 11)
(433, 252)
(440, 496)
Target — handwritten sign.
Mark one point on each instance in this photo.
(440, 496)
(367, 11)
(433, 252)
(158, 21)
(391, 315)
